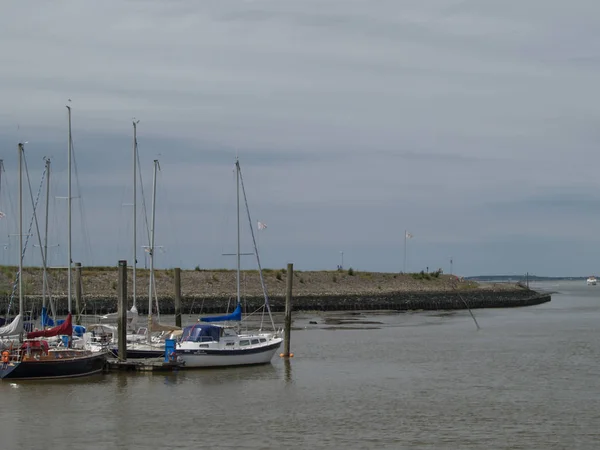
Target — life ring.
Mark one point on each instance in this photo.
(5, 357)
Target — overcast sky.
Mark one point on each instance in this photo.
(473, 125)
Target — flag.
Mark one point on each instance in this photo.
(408, 235)
(262, 226)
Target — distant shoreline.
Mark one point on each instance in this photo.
(212, 290)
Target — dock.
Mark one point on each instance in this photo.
(141, 365)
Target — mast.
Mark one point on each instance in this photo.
(21, 305)
(134, 210)
(404, 266)
(238, 256)
(1, 170)
(45, 255)
(150, 288)
(70, 145)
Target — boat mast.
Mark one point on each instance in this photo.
(237, 178)
(134, 209)
(45, 255)
(21, 305)
(1, 170)
(150, 288)
(69, 213)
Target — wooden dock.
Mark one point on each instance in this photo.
(141, 365)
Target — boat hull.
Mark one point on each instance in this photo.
(52, 369)
(198, 358)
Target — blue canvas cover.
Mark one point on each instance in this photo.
(201, 333)
(235, 315)
(47, 321)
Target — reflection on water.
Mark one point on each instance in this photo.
(287, 364)
(225, 375)
(527, 379)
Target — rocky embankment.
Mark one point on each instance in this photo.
(210, 291)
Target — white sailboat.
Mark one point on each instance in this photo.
(141, 344)
(210, 344)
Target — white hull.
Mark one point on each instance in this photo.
(194, 357)
(591, 281)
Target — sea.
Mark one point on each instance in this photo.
(521, 378)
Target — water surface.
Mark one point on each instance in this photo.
(529, 379)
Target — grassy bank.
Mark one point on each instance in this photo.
(102, 282)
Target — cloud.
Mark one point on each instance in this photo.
(471, 124)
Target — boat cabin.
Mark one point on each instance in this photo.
(202, 333)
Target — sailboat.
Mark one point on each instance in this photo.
(45, 319)
(211, 344)
(142, 346)
(34, 358)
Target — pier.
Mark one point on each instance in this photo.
(141, 365)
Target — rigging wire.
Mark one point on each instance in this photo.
(33, 216)
(85, 231)
(262, 280)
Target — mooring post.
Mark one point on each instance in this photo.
(288, 312)
(178, 297)
(78, 285)
(122, 308)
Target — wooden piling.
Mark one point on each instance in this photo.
(178, 297)
(78, 286)
(288, 312)
(122, 308)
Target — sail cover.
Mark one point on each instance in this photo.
(13, 328)
(65, 328)
(78, 330)
(235, 315)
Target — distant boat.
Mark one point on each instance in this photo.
(591, 281)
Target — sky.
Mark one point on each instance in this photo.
(472, 125)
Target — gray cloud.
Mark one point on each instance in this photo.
(471, 124)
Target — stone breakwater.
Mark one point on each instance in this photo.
(402, 301)
(211, 291)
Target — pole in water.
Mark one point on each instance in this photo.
(470, 312)
(178, 297)
(288, 313)
(122, 308)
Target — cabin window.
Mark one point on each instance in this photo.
(263, 340)
(254, 341)
(228, 344)
(203, 346)
(244, 342)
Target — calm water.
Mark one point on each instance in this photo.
(529, 379)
